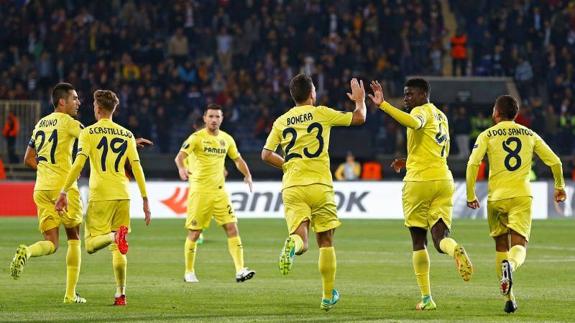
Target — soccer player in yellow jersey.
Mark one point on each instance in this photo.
(206, 151)
(428, 188)
(108, 146)
(308, 196)
(509, 148)
(50, 154)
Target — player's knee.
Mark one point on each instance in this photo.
(436, 244)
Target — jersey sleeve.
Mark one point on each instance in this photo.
(233, 152)
(274, 139)
(475, 159)
(32, 142)
(74, 128)
(190, 144)
(336, 118)
(414, 120)
(550, 159)
(132, 150)
(479, 150)
(419, 114)
(84, 144)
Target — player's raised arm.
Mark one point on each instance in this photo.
(405, 119)
(138, 171)
(475, 159)
(358, 96)
(552, 160)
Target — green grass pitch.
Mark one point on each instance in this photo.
(374, 277)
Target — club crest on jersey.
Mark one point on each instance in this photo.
(222, 143)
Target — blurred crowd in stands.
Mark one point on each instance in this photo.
(168, 59)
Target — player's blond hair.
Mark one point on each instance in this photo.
(106, 99)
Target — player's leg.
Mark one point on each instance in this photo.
(225, 216)
(324, 221)
(421, 265)
(190, 249)
(99, 233)
(416, 197)
(440, 222)
(200, 209)
(72, 220)
(497, 219)
(49, 222)
(519, 225)
(444, 244)
(327, 268)
(236, 251)
(120, 210)
(73, 264)
(298, 216)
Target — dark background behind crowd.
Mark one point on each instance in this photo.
(167, 59)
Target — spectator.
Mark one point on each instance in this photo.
(459, 53)
(178, 46)
(10, 132)
(461, 126)
(348, 171)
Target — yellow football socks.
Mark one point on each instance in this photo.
(96, 243)
(517, 256)
(73, 262)
(298, 241)
(190, 255)
(237, 252)
(448, 245)
(327, 266)
(420, 259)
(120, 264)
(41, 248)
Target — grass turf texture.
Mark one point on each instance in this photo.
(374, 276)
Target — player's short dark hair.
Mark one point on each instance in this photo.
(420, 84)
(213, 106)
(61, 91)
(106, 99)
(300, 87)
(507, 107)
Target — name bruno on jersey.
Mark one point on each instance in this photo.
(110, 131)
(48, 123)
(509, 132)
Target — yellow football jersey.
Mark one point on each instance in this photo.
(428, 146)
(53, 140)
(108, 146)
(206, 157)
(303, 134)
(510, 147)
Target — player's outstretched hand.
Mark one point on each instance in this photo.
(248, 180)
(357, 91)
(183, 174)
(143, 142)
(62, 203)
(473, 204)
(560, 195)
(377, 97)
(398, 164)
(147, 213)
